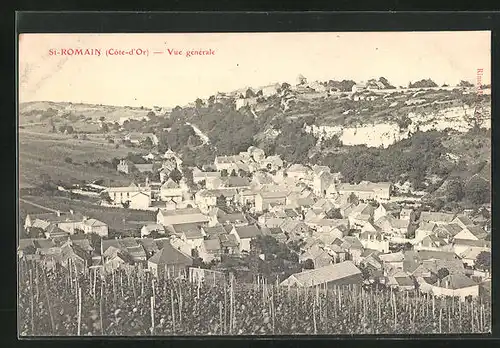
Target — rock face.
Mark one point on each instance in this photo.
(385, 134)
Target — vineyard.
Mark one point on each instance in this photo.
(62, 303)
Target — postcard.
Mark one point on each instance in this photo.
(254, 184)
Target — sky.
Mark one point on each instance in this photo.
(239, 60)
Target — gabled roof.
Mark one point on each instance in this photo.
(437, 217)
(351, 242)
(477, 231)
(326, 274)
(168, 255)
(392, 257)
(470, 242)
(235, 181)
(94, 223)
(191, 231)
(457, 281)
(250, 231)
(436, 255)
(464, 220)
(426, 226)
(228, 241)
(448, 230)
(214, 231)
(169, 184)
(471, 253)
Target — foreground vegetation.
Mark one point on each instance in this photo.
(58, 303)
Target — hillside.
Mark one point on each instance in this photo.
(352, 132)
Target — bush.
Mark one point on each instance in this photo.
(68, 160)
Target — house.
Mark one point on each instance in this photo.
(244, 234)
(298, 171)
(437, 218)
(167, 167)
(295, 228)
(393, 226)
(360, 214)
(210, 250)
(138, 138)
(68, 222)
(401, 281)
(137, 197)
(170, 190)
(169, 260)
(424, 229)
(455, 285)
(461, 245)
(407, 214)
(74, 256)
(432, 242)
(263, 200)
(236, 219)
(206, 199)
(170, 155)
(367, 190)
(146, 230)
(334, 275)
(463, 221)
(317, 255)
(469, 256)
(385, 209)
(228, 163)
(54, 232)
(149, 245)
(208, 177)
(448, 231)
(321, 182)
(472, 232)
(229, 244)
(392, 262)
(190, 233)
(167, 217)
(354, 247)
(374, 240)
(94, 226)
(235, 182)
(359, 87)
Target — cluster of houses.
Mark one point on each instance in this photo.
(347, 232)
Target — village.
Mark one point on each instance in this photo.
(341, 233)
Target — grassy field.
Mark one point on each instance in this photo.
(29, 111)
(119, 219)
(46, 153)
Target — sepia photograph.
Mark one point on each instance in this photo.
(254, 184)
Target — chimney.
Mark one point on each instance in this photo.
(58, 213)
(71, 211)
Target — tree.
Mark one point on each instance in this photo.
(198, 103)
(105, 197)
(126, 204)
(249, 93)
(483, 260)
(104, 128)
(465, 84)
(233, 172)
(175, 175)
(147, 143)
(68, 160)
(95, 241)
(454, 191)
(477, 191)
(223, 172)
(221, 201)
(309, 264)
